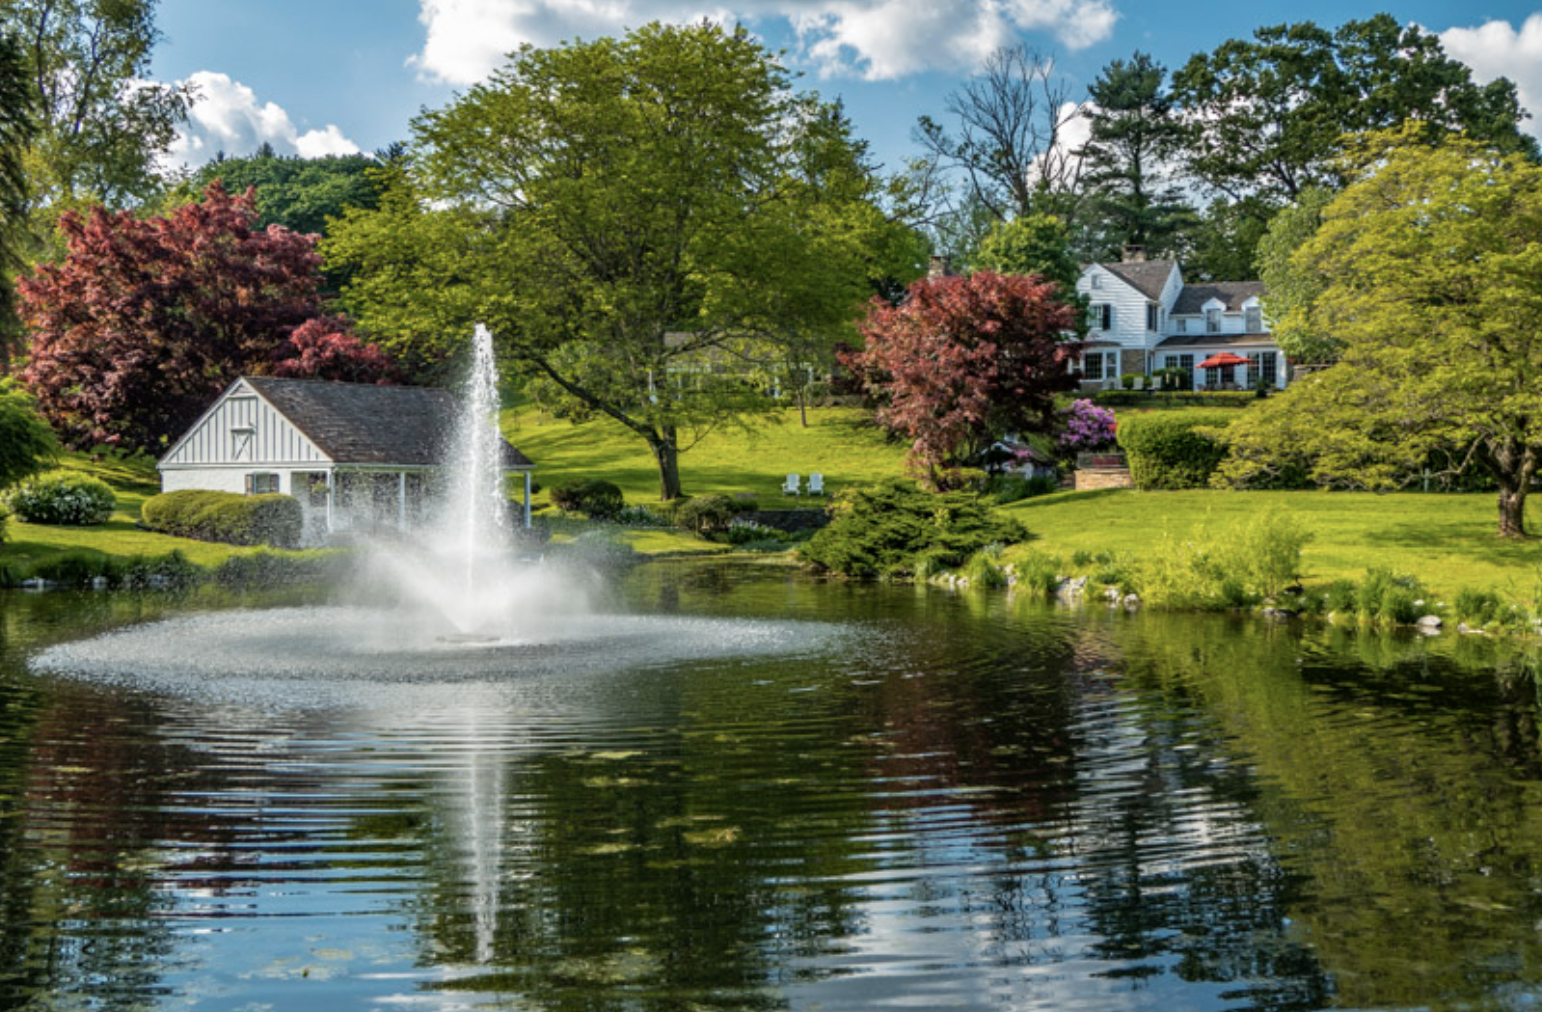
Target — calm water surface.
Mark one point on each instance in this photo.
(925, 801)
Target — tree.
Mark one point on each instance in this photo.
(26, 441)
(963, 360)
(1266, 117)
(1135, 135)
(1288, 287)
(297, 193)
(622, 214)
(1428, 270)
(1009, 144)
(1036, 244)
(16, 131)
(146, 321)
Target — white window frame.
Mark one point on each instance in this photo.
(1212, 321)
(263, 483)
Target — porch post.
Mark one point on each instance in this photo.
(527, 500)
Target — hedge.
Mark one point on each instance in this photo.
(226, 517)
(596, 498)
(1166, 451)
(65, 498)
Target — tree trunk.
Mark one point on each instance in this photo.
(1514, 464)
(803, 405)
(666, 451)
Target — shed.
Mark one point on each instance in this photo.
(354, 455)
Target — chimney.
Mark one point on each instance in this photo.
(938, 267)
(1134, 254)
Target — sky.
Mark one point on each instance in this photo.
(316, 77)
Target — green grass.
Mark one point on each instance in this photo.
(1447, 541)
(133, 480)
(840, 443)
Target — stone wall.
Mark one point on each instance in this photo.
(1103, 477)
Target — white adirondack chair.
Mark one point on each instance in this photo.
(816, 484)
(793, 485)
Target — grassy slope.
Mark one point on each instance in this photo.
(134, 481)
(840, 443)
(1446, 540)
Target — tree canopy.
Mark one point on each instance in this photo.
(623, 213)
(1427, 271)
(297, 193)
(16, 130)
(26, 441)
(146, 320)
(962, 361)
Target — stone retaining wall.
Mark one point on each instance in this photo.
(1103, 477)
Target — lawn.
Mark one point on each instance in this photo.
(840, 443)
(1447, 541)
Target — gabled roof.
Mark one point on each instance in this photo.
(1148, 277)
(356, 423)
(1232, 294)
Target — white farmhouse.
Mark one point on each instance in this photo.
(1143, 317)
(356, 456)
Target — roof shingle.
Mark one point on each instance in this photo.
(1148, 277)
(1232, 295)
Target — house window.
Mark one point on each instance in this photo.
(1092, 365)
(1263, 368)
(1095, 282)
(1180, 325)
(261, 483)
(1153, 318)
(1253, 319)
(1212, 321)
(1101, 316)
(1184, 362)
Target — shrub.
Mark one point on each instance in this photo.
(63, 497)
(1269, 550)
(1340, 597)
(170, 571)
(705, 515)
(642, 516)
(269, 569)
(1038, 573)
(1085, 426)
(1477, 607)
(1171, 449)
(982, 570)
(1010, 488)
(74, 568)
(883, 530)
(594, 497)
(226, 517)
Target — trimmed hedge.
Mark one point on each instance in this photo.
(596, 498)
(1166, 451)
(226, 517)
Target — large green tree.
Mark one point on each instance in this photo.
(1135, 137)
(1289, 286)
(16, 130)
(1428, 270)
(1267, 116)
(622, 213)
(297, 193)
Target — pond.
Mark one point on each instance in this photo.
(924, 800)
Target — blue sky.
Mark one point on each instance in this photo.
(331, 76)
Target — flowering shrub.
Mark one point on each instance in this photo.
(1085, 426)
(63, 497)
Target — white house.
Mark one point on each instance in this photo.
(354, 455)
(1143, 317)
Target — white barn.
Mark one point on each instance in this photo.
(356, 456)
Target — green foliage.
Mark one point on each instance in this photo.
(298, 193)
(1037, 572)
(26, 441)
(883, 530)
(1269, 549)
(1478, 608)
(1010, 488)
(263, 569)
(66, 498)
(1174, 398)
(171, 571)
(226, 517)
(594, 497)
(984, 571)
(1223, 567)
(1173, 449)
(1289, 287)
(705, 515)
(1032, 244)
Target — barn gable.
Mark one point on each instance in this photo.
(243, 429)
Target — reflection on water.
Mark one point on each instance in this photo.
(945, 802)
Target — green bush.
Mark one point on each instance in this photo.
(1010, 488)
(5, 519)
(705, 515)
(169, 571)
(1038, 573)
(594, 497)
(1170, 450)
(232, 519)
(982, 571)
(269, 569)
(1478, 608)
(67, 498)
(884, 530)
(74, 568)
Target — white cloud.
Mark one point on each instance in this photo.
(874, 39)
(1496, 49)
(226, 116)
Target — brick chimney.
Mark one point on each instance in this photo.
(1134, 254)
(939, 266)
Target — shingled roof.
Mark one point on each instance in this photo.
(1231, 293)
(1148, 277)
(357, 423)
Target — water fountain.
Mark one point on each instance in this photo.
(451, 603)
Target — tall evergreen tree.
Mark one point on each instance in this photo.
(1134, 136)
(15, 136)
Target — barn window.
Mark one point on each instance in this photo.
(261, 483)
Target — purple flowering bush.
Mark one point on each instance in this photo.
(1085, 426)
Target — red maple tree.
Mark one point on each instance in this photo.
(146, 320)
(960, 361)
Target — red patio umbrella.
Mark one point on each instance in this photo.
(1222, 359)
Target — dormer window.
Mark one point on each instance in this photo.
(1212, 321)
(1180, 325)
(1253, 319)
